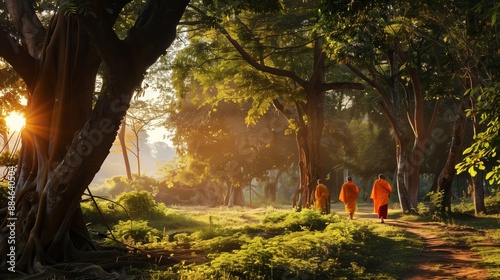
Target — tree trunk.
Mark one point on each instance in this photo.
(138, 154)
(478, 195)
(311, 125)
(404, 199)
(315, 114)
(235, 197)
(303, 189)
(48, 213)
(123, 144)
(416, 158)
(446, 176)
(5, 139)
(66, 140)
(271, 187)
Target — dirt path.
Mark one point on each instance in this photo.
(439, 258)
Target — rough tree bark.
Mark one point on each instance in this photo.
(67, 138)
(446, 176)
(478, 194)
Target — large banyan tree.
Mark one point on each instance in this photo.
(68, 133)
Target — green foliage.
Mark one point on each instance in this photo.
(113, 186)
(492, 202)
(434, 209)
(133, 232)
(76, 7)
(116, 185)
(140, 205)
(339, 250)
(4, 193)
(7, 158)
(226, 8)
(306, 219)
(219, 241)
(111, 214)
(483, 151)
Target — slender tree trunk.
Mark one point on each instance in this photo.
(447, 174)
(478, 195)
(5, 138)
(303, 189)
(401, 179)
(123, 144)
(138, 154)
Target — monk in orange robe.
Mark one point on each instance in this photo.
(380, 194)
(321, 195)
(349, 195)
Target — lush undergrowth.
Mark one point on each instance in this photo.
(264, 243)
(298, 245)
(273, 243)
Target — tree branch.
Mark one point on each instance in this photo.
(30, 29)
(282, 109)
(341, 85)
(418, 115)
(18, 57)
(250, 60)
(435, 112)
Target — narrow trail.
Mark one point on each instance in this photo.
(438, 258)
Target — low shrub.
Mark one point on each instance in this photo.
(136, 232)
(140, 205)
(492, 202)
(111, 213)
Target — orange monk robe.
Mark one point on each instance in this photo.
(349, 195)
(380, 193)
(321, 196)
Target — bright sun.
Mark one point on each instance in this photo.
(15, 121)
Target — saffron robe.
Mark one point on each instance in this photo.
(349, 195)
(380, 194)
(321, 196)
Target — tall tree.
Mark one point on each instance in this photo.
(393, 48)
(141, 117)
(67, 137)
(276, 42)
(479, 60)
(216, 145)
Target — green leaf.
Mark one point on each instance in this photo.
(472, 172)
(467, 151)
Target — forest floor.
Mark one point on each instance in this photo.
(442, 256)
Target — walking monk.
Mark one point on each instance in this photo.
(349, 195)
(321, 195)
(380, 195)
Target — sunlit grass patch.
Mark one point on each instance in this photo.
(298, 244)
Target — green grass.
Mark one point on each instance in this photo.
(279, 243)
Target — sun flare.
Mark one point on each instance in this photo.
(15, 121)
